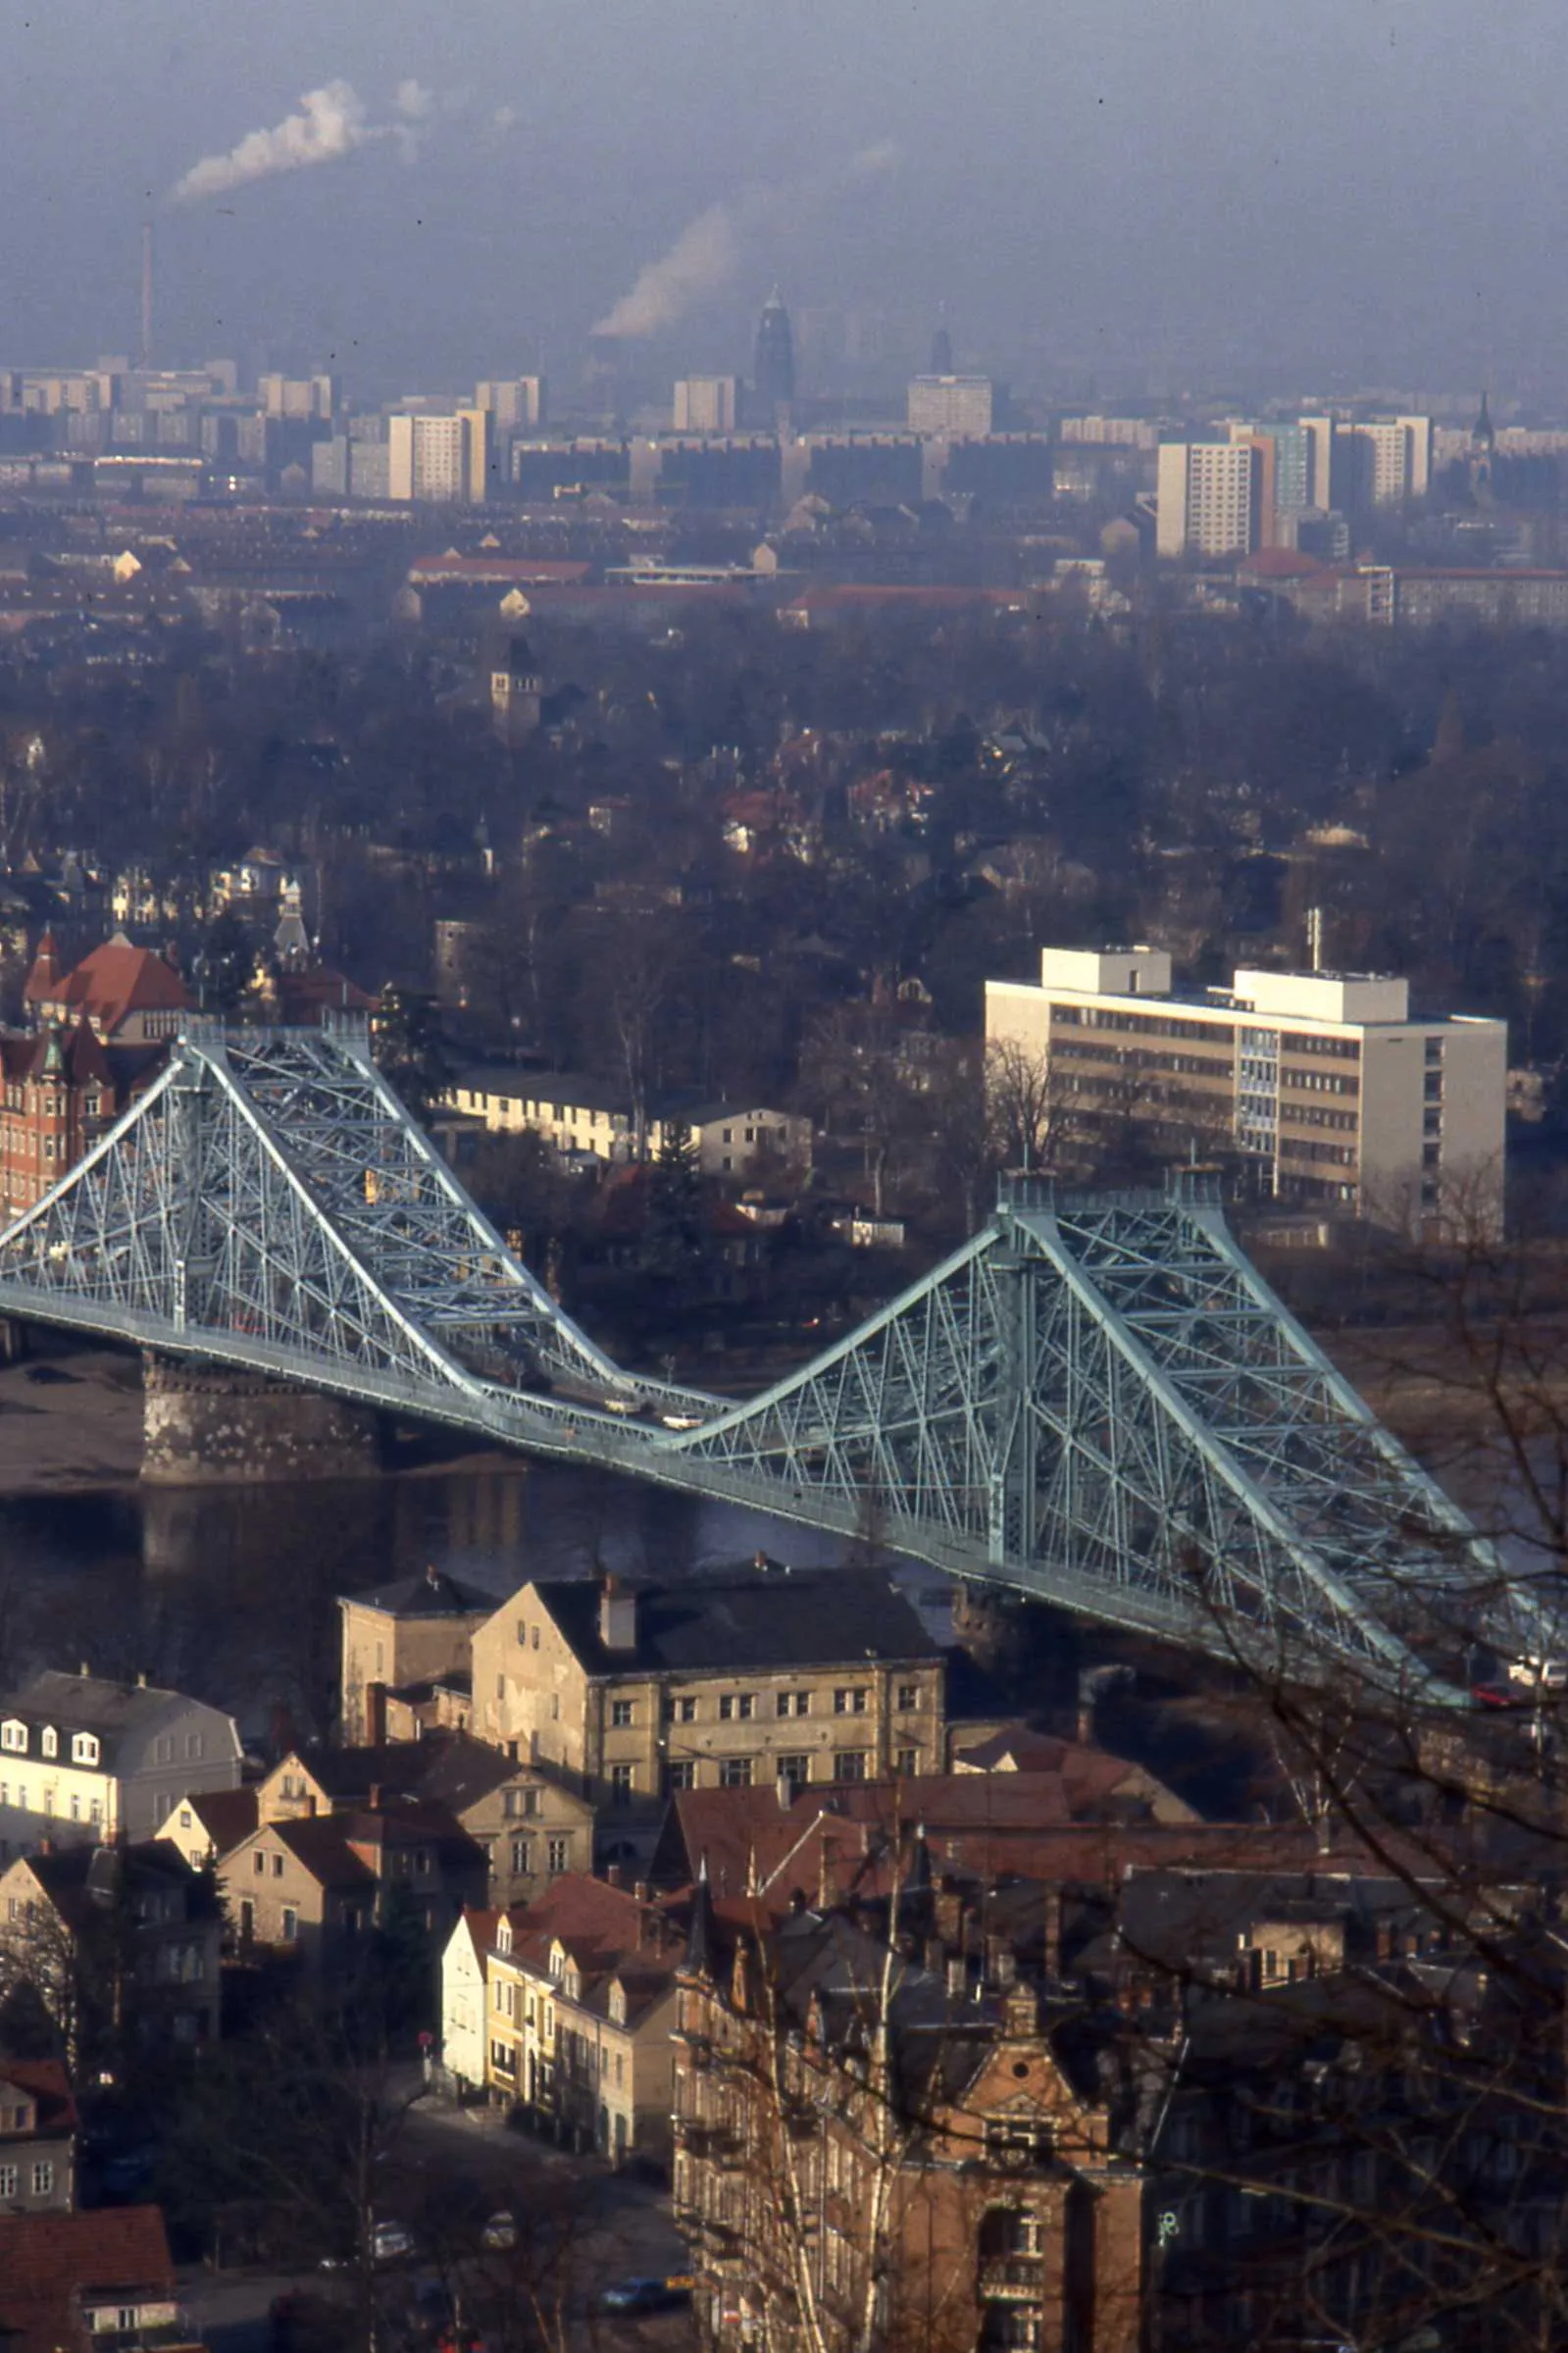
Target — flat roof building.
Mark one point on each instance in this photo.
(1322, 1080)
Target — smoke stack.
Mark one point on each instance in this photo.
(144, 359)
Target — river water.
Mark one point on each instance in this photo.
(231, 1593)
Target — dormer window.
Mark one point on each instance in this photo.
(49, 1741)
(618, 2004)
(14, 1736)
(503, 1938)
(84, 1748)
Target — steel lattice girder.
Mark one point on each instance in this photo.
(1096, 1400)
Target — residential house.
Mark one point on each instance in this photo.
(113, 1940)
(772, 1676)
(83, 1757)
(37, 2137)
(579, 2009)
(464, 2007)
(204, 1824)
(591, 1119)
(854, 2130)
(411, 1630)
(73, 2282)
(320, 1884)
(127, 994)
(530, 1828)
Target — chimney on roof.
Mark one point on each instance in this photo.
(618, 1617)
(640, 1888)
(376, 1797)
(82, 1668)
(611, 1875)
(141, 1678)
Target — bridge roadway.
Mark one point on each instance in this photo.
(1095, 1400)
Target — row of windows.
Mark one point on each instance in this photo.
(84, 1748)
(1301, 1041)
(43, 2181)
(1319, 1082)
(557, 1856)
(740, 1773)
(1165, 1025)
(1142, 1058)
(742, 1706)
(1297, 1147)
(1309, 1115)
(93, 1813)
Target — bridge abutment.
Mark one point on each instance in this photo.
(208, 1425)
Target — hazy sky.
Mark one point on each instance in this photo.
(1371, 188)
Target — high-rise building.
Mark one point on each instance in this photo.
(1393, 460)
(773, 365)
(706, 404)
(514, 404)
(1322, 1080)
(442, 459)
(958, 407)
(942, 351)
(1209, 497)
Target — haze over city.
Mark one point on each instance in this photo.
(1112, 187)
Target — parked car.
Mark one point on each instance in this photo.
(500, 2231)
(390, 2242)
(644, 2295)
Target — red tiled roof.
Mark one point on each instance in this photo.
(113, 981)
(48, 2261)
(49, 2086)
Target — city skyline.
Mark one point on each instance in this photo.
(1156, 194)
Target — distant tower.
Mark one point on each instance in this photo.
(1483, 449)
(774, 365)
(144, 357)
(515, 692)
(942, 348)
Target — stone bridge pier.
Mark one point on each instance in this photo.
(210, 1425)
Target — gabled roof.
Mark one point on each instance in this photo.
(50, 2262)
(47, 2084)
(228, 1815)
(755, 1625)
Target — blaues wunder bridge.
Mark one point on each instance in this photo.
(1097, 1400)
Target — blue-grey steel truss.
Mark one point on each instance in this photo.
(1097, 1400)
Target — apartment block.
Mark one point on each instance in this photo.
(1209, 498)
(959, 408)
(706, 404)
(442, 459)
(1322, 1081)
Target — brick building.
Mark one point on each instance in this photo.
(866, 2145)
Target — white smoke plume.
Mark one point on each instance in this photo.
(710, 252)
(330, 124)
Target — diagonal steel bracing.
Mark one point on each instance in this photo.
(1095, 1400)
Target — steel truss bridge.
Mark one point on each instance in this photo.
(1096, 1400)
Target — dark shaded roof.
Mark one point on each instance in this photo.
(47, 2261)
(751, 1625)
(94, 1703)
(225, 1814)
(432, 1594)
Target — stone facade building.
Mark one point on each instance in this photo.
(793, 1679)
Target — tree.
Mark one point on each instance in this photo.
(674, 1244)
(224, 965)
(410, 1049)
